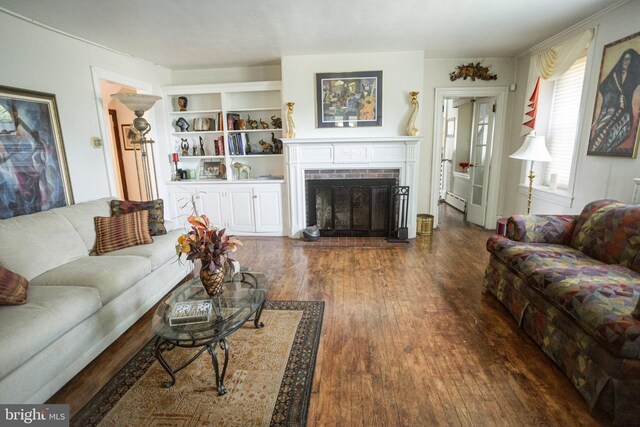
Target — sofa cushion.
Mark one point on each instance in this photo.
(111, 276)
(527, 258)
(118, 232)
(611, 234)
(154, 207)
(81, 217)
(586, 213)
(35, 243)
(51, 311)
(601, 299)
(13, 288)
(162, 250)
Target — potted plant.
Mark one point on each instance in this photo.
(210, 245)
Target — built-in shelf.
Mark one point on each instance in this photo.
(195, 112)
(199, 157)
(244, 110)
(256, 155)
(255, 130)
(197, 132)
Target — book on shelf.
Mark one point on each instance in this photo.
(219, 122)
(220, 145)
(189, 312)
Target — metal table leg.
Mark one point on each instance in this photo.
(214, 361)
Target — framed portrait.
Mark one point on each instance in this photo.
(349, 99)
(211, 169)
(33, 167)
(451, 127)
(127, 136)
(614, 128)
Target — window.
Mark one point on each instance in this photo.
(563, 123)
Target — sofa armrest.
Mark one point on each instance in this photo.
(541, 228)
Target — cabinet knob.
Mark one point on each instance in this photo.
(255, 197)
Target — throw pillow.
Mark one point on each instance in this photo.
(13, 288)
(154, 207)
(119, 232)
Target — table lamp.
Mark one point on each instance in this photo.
(533, 149)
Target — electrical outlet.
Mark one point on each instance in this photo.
(96, 142)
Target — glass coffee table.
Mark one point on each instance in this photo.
(241, 301)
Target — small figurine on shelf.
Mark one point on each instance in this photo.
(242, 124)
(194, 150)
(182, 124)
(266, 147)
(201, 147)
(242, 167)
(184, 144)
(277, 144)
(182, 103)
(264, 124)
(247, 148)
(276, 122)
(252, 123)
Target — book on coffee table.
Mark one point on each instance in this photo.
(188, 312)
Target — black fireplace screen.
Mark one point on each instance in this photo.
(350, 207)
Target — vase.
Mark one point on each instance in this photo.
(212, 280)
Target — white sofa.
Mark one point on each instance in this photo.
(77, 304)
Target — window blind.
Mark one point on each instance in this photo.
(563, 122)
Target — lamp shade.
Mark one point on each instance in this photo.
(136, 101)
(533, 149)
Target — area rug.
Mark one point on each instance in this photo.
(268, 378)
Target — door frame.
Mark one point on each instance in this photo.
(120, 160)
(99, 74)
(494, 163)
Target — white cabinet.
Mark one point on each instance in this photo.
(243, 209)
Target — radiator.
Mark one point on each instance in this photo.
(455, 201)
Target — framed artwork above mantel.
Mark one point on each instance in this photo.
(351, 99)
(33, 165)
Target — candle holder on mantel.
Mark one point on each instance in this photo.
(411, 124)
(291, 127)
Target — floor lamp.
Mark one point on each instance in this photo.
(139, 103)
(533, 149)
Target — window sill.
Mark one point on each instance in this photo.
(558, 197)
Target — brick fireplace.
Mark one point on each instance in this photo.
(392, 158)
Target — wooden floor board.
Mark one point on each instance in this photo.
(408, 338)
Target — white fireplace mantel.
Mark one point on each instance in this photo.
(391, 152)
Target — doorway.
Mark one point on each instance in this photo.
(468, 176)
(122, 160)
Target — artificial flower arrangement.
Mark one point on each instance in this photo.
(210, 245)
(465, 165)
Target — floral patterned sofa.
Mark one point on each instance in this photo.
(573, 284)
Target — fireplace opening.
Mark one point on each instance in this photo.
(350, 207)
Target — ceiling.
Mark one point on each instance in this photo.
(195, 34)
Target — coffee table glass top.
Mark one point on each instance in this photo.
(242, 298)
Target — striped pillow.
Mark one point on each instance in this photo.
(118, 232)
(13, 288)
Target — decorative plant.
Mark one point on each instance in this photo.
(207, 243)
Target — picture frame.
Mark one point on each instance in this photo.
(352, 99)
(211, 169)
(126, 139)
(615, 129)
(34, 175)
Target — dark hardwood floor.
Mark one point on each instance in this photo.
(409, 338)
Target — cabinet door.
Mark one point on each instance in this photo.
(183, 205)
(241, 216)
(268, 207)
(212, 205)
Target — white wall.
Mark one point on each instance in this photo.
(596, 177)
(402, 72)
(39, 59)
(436, 75)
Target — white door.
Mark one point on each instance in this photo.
(240, 216)
(268, 208)
(481, 142)
(183, 206)
(212, 204)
